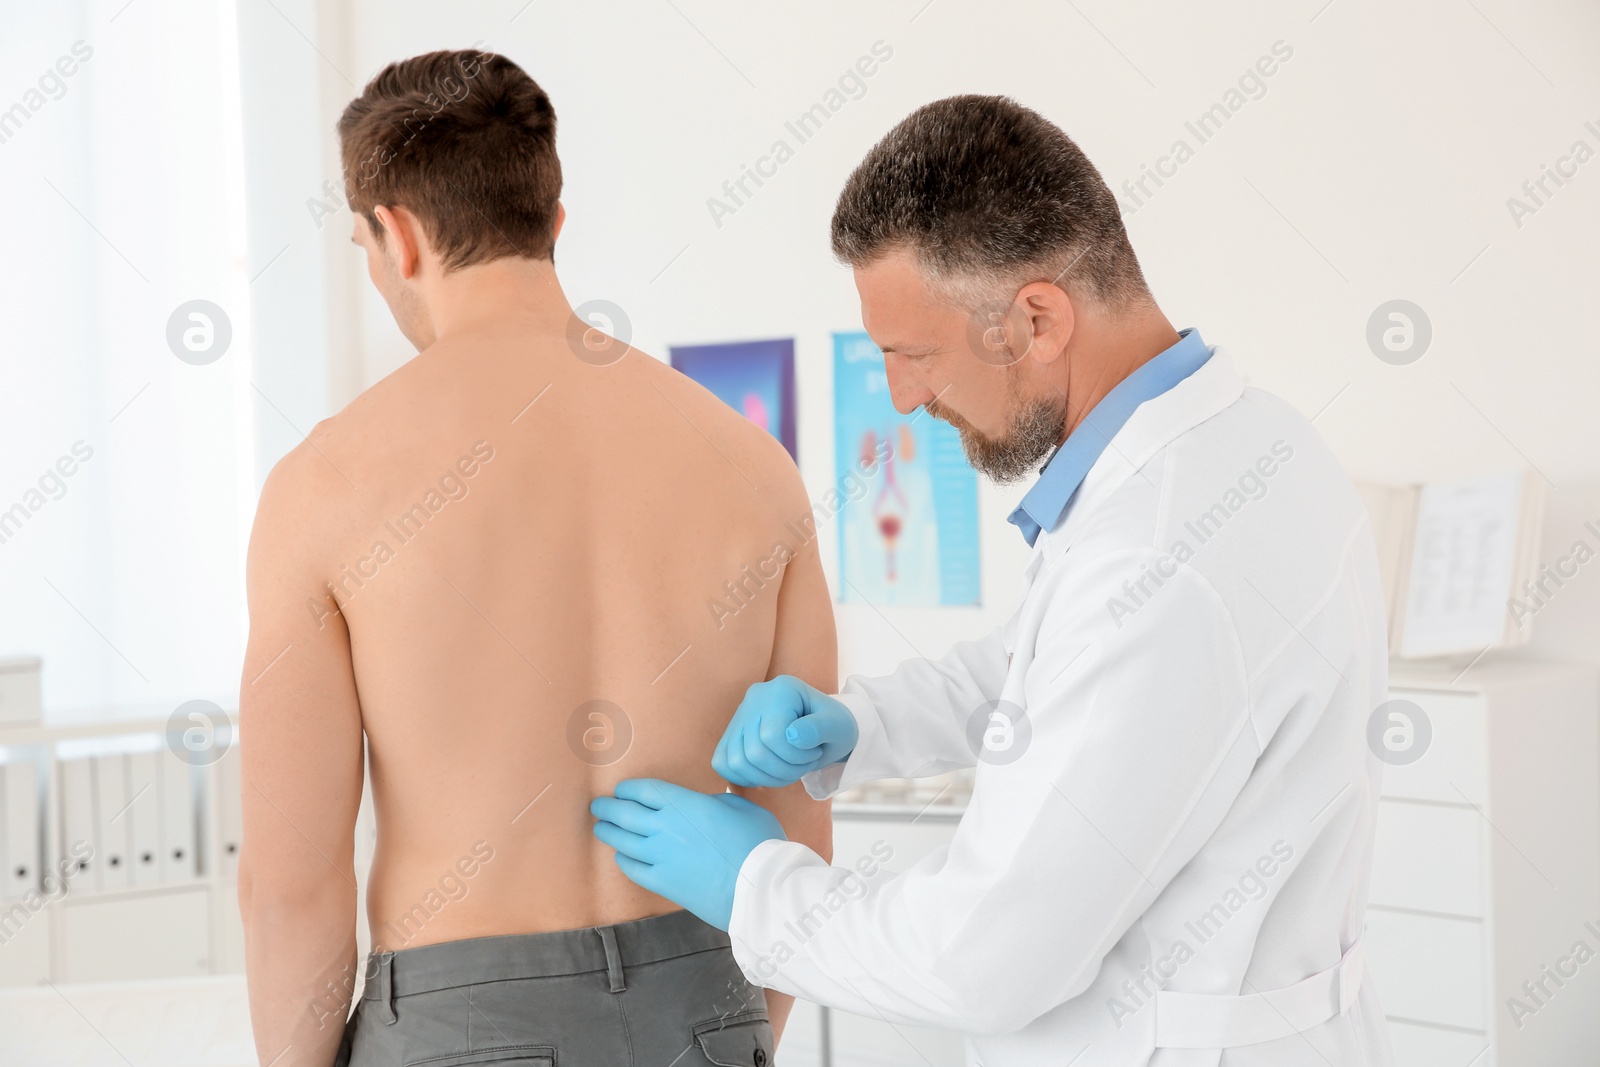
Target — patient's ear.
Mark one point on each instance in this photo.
(403, 233)
(561, 216)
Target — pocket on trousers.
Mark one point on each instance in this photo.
(742, 1040)
(509, 1056)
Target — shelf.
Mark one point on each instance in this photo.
(899, 812)
(98, 722)
(93, 896)
(1488, 673)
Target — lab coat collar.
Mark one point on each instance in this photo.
(1157, 423)
(1041, 509)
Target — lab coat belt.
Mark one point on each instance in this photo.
(1200, 1020)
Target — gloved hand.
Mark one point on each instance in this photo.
(782, 730)
(683, 845)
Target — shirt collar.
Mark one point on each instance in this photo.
(1041, 509)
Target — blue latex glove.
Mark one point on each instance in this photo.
(782, 730)
(683, 845)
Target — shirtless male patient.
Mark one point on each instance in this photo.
(494, 567)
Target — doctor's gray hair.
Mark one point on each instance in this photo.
(989, 196)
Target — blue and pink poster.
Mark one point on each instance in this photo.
(910, 536)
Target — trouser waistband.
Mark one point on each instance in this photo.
(611, 949)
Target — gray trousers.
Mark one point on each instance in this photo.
(657, 992)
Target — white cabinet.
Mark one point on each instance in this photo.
(123, 936)
(156, 895)
(1429, 858)
(1486, 870)
(1430, 969)
(24, 943)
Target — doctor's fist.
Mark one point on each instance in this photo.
(783, 729)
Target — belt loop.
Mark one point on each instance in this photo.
(608, 938)
(385, 978)
(1351, 968)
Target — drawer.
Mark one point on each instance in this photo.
(114, 938)
(1455, 765)
(1428, 969)
(25, 953)
(1429, 858)
(1423, 1046)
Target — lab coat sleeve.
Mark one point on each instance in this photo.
(913, 723)
(1138, 747)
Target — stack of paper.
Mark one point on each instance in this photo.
(1455, 556)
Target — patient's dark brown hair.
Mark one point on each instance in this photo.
(464, 140)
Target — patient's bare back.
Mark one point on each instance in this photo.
(548, 567)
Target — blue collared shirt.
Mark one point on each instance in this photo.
(1064, 471)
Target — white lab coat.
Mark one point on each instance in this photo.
(1193, 806)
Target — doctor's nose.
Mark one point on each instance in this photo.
(906, 389)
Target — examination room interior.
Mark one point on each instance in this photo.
(1385, 213)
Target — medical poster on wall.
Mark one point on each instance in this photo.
(752, 377)
(911, 538)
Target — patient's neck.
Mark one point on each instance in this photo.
(489, 295)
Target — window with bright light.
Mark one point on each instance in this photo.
(126, 470)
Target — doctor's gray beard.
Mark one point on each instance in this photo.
(1036, 427)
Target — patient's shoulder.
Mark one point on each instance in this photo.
(759, 456)
(306, 497)
(348, 455)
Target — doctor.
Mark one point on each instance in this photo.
(1165, 856)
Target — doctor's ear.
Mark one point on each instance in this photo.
(1051, 316)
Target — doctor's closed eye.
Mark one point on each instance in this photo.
(913, 353)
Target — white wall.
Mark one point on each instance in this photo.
(1376, 164)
